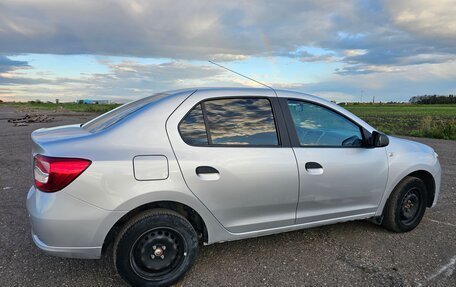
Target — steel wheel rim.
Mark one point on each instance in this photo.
(410, 206)
(157, 253)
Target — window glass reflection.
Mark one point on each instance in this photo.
(319, 126)
(192, 128)
(245, 121)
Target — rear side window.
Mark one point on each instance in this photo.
(231, 122)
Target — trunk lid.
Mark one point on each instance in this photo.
(45, 136)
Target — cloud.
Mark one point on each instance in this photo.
(366, 69)
(149, 78)
(305, 56)
(361, 39)
(398, 86)
(230, 30)
(432, 20)
(7, 65)
(227, 57)
(125, 81)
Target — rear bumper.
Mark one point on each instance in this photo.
(68, 227)
(70, 252)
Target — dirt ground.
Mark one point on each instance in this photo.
(347, 254)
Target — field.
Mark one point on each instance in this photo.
(431, 121)
(74, 107)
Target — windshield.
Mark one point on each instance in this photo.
(108, 119)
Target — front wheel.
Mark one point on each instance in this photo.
(155, 248)
(406, 206)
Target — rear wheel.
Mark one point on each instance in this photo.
(155, 248)
(406, 206)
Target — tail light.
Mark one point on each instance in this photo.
(52, 174)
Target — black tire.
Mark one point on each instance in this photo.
(139, 247)
(406, 205)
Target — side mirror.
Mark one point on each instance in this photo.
(379, 139)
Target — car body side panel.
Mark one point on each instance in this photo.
(66, 226)
(406, 157)
(257, 187)
(109, 183)
(352, 183)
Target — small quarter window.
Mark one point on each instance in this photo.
(192, 128)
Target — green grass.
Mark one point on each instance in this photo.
(433, 121)
(87, 108)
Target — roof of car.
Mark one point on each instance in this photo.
(280, 92)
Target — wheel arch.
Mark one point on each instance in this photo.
(188, 212)
(421, 173)
(429, 181)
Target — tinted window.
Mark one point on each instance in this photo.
(319, 126)
(244, 121)
(192, 128)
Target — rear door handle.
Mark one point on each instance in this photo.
(207, 173)
(206, 170)
(314, 168)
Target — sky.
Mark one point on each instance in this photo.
(124, 50)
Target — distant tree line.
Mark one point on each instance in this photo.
(433, 99)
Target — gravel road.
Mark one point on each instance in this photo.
(347, 254)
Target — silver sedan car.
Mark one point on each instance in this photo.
(157, 177)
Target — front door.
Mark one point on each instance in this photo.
(339, 176)
(232, 158)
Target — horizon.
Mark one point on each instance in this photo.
(120, 51)
(95, 100)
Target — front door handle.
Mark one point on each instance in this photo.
(207, 173)
(314, 168)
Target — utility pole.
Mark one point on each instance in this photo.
(362, 93)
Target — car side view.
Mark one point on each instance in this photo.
(156, 178)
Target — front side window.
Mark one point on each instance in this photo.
(319, 126)
(232, 121)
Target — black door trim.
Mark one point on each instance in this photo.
(281, 123)
(288, 120)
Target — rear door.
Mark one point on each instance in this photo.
(235, 160)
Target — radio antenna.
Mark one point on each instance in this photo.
(239, 74)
